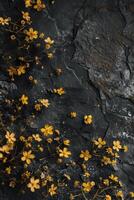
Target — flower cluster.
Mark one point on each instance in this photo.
(40, 156)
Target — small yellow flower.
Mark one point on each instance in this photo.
(1, 155)
(64, 153)
(21, 70)
(28, 3)
(32, 34)
(119, 194)
(33, 184)
(106, 182)
(117, 145)
(85, 155)
(106, 160)
(66, 142)
(24, 99)
(87, 186)
(59, 91)
(52, 190)
(37, 137)
(27, 157)
(73, 114)
(108, 197)
(99, 143)
(50, 55)
(131, 194)
(88, 119)
(39, 5)
(38, 106)
(47, 130)
(26, 16)
(10, 137)
(44, 102)
(113, 178)
(4, 21)
(125, 148)
(8, 170)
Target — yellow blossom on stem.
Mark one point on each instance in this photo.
(131, 194)
(113, 178)
(26, 16)
(37, 137)
(28, 3)
(106, 160)
(47, 130)
(66, 142)
(85, 155)
(73, 114)
(33, 184)
(27, 157)
(21, 70)
(32, 34)
(24, 99)
(117, 145)
(99, 143)
(39, 5)
(44, 102)
(64, 153)
(59, 91)
(119, 194)
(10, 137)
(108, 197)
(87, 186)
(88, 119)
(52, 190)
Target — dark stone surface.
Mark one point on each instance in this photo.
(95, 48)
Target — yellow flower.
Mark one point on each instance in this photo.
(33, 184)
(59, 91)
(24, 99)
(49, 41)
(52, 190)
(125, 148)
(37, 106)
(37, 137)
(28, 3)
(117, 145)
(8, 170)
(47, 130)
(6, 148)
(12, 71)
(109, 150)
(32, 34)
(44, 102)
(27, 156)
(119, 194)
(99, 143)
(50, 55)
(4, 21)
(131, 194)
(113, 178)
(64, 153)
(1, 155)
(108, 197)
(39, 5)
(10, 137)
(106, 182)
(106, 160)
(21, 70)
(87, 186)
(85, 155)
(66, 142)
(26, 16)
(73, 114)
(88, 119)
